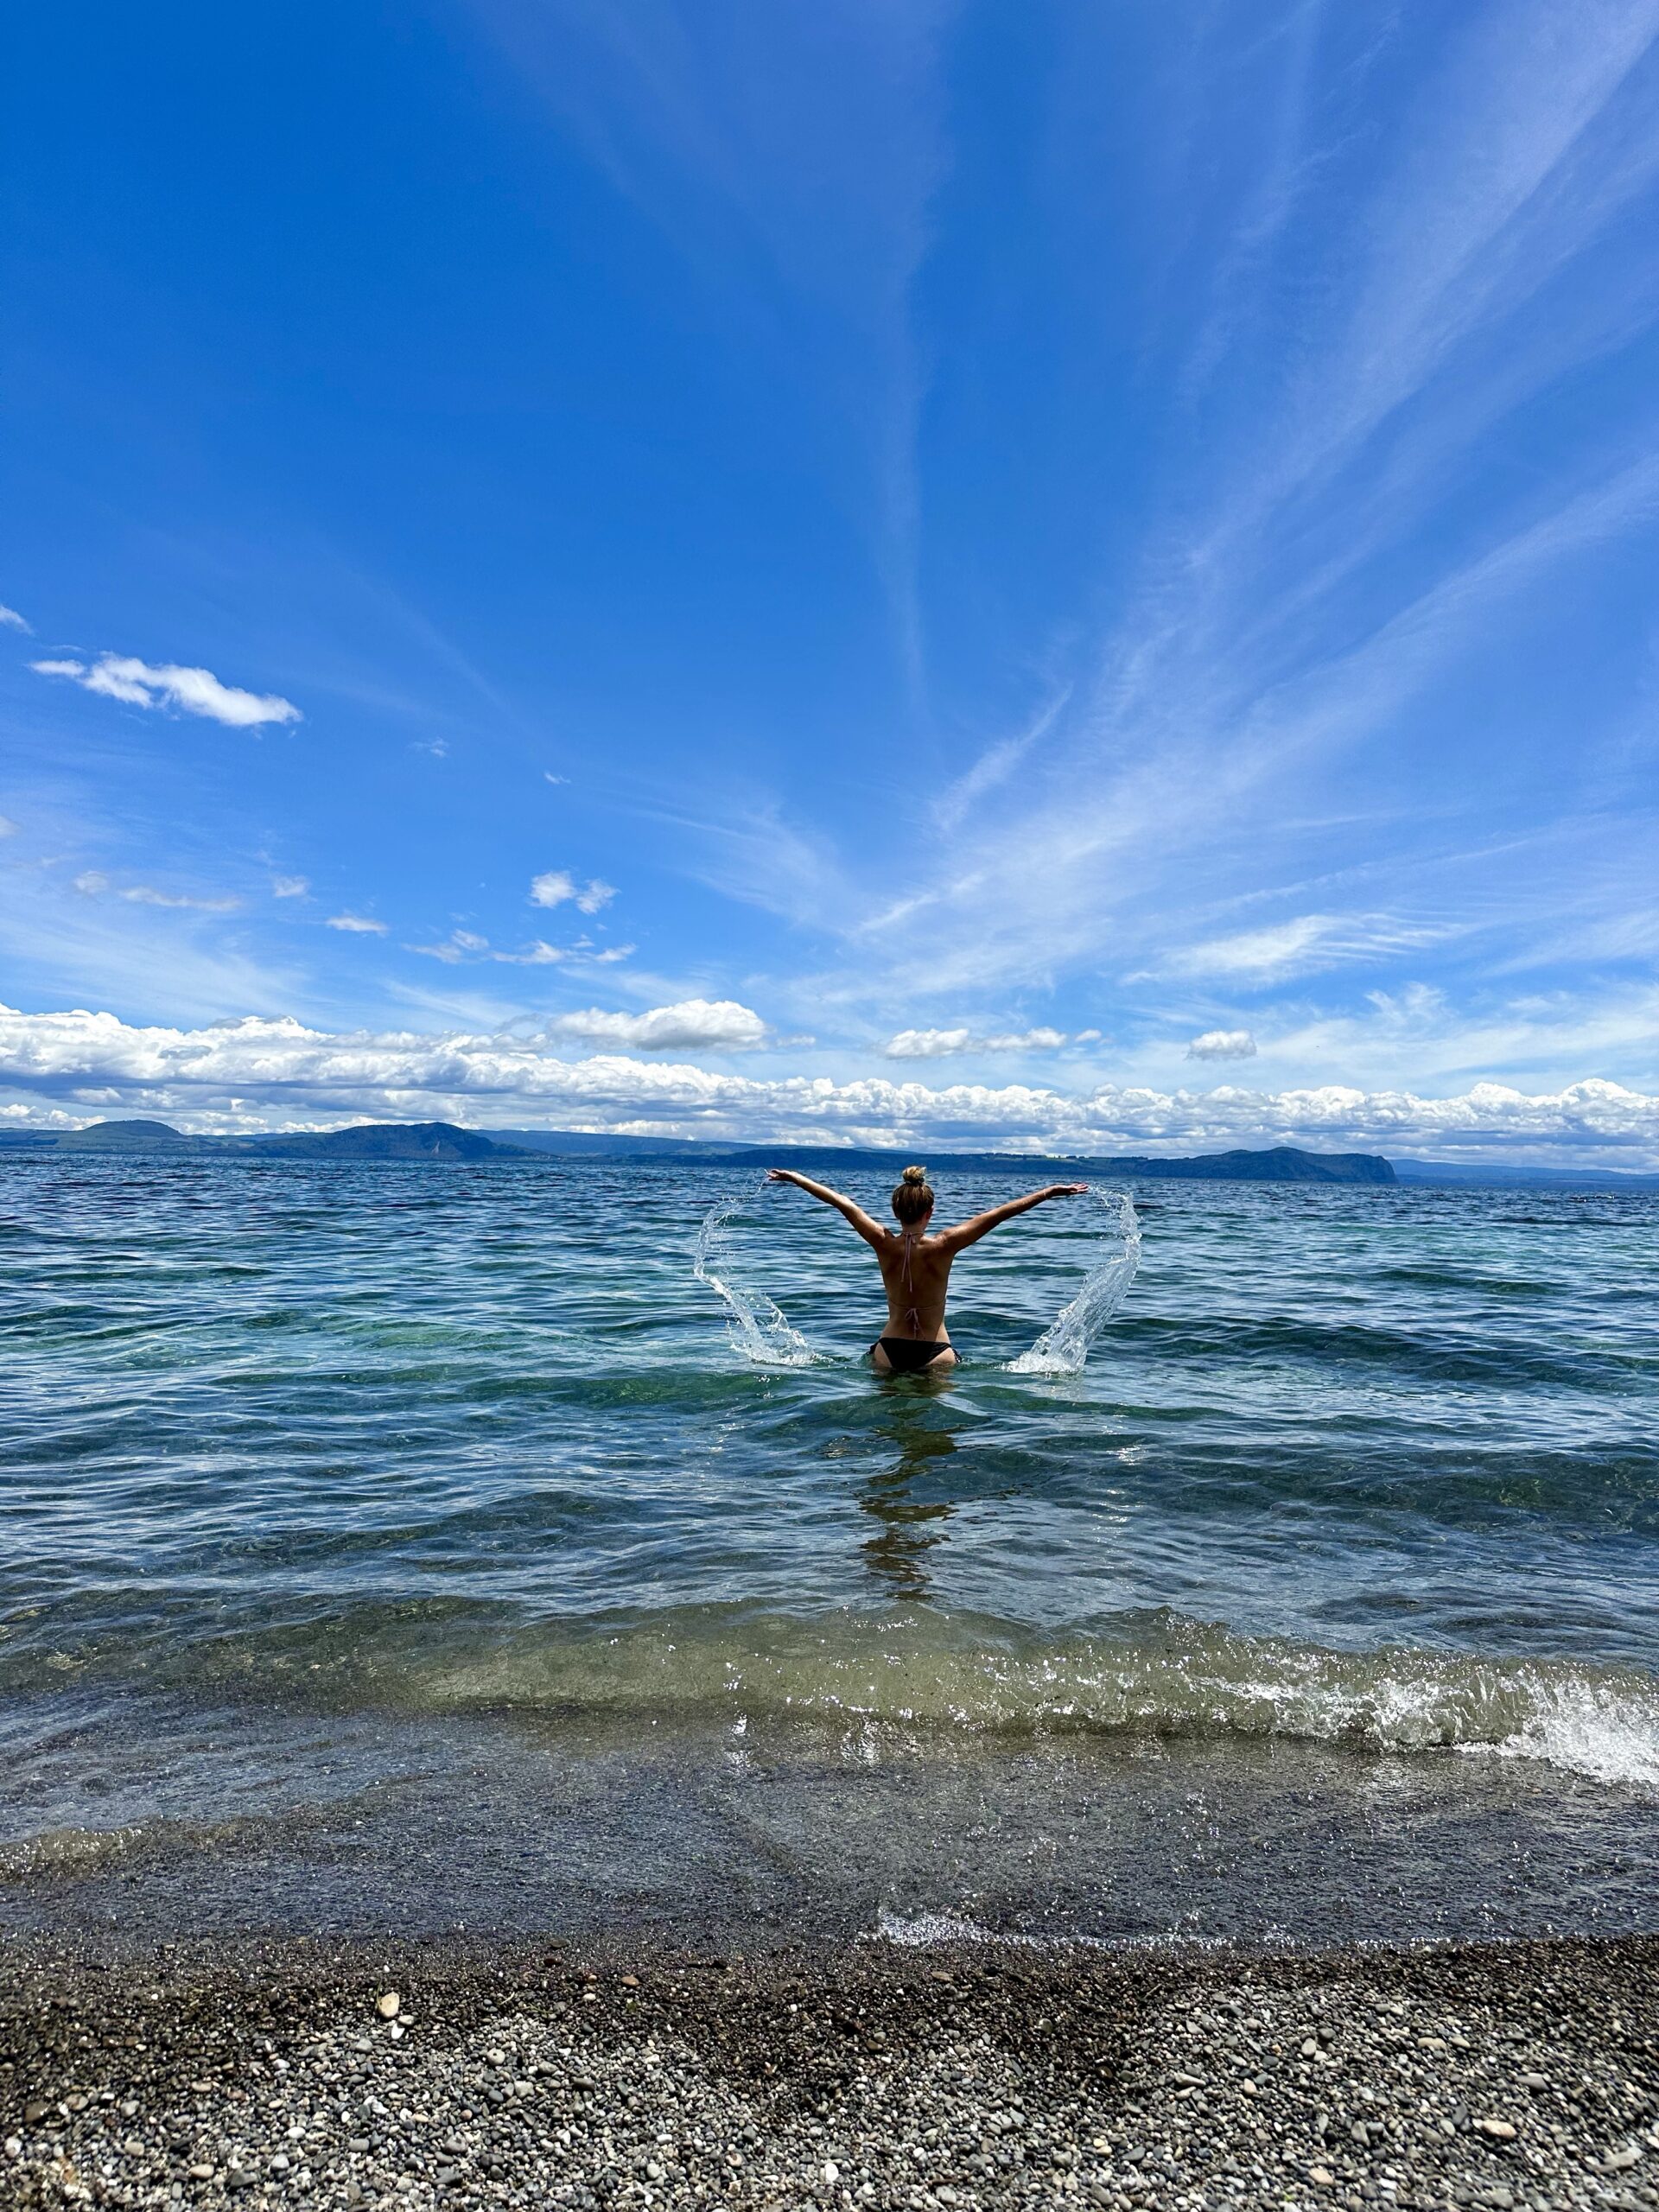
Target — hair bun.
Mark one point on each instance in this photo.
(915, 1175)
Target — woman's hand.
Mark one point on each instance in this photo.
(1066, 1190)
(782, 1175)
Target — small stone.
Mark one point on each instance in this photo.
(1310, 2047)
(1534, 2080)
(201, 2171)
(1321, 2176)
(1620, 2162)
(630, 1981)
(495, 2058)
(34, 2112)
(279, 2163)
(133, 2147)
(129, 2106)
(1500, 2131)
(387, 2006)
(831, 2170)
(14, 2146)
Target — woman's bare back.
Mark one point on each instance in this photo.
(915, 1267)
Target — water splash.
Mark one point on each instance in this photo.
(759, 1328)
(1064, 1345)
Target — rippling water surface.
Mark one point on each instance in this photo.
(456, 1485)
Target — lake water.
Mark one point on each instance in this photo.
(414, 1548)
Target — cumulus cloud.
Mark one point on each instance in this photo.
(188, 691)
(357, 924)
(948, 1044)
(555, 886)
(11, 619)
(289, 887)
(717, 1025)
(92, 883)
(262, 1072)
(1223, 1045)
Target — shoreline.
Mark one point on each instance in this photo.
(1523, 2073)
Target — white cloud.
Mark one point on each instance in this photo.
(467, 945)
(1223, 1045)
(556, 885)
(539, 953)
(7, 826)
(948, 1044)
(548, 777)
(289, 887)
(11, 619)
(1304, 946)
(191, 690)
(357, 924)
(717, 1025)
(274, 1071)
(92, 883)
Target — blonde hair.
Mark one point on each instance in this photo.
(913, 1201)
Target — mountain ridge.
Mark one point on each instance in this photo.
(444, 1141)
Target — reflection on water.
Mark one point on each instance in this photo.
(911, 1521)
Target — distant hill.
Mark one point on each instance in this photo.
(442, 1140)
(1279, 1164)
(383, 1140)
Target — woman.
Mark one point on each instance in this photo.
(915, 1267)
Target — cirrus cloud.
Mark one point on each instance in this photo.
(92, 883)
(259, 1072)
(188, 691)
(357, 924)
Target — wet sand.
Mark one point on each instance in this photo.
(1521, 2074)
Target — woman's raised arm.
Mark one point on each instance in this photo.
(969, 1232)
(854, 1215)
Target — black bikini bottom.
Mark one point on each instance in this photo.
(909, 1355)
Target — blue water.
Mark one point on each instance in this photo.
(315, 1475)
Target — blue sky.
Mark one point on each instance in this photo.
(1039, 575)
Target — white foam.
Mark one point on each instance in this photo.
(1584, 1728)
(760, 1330)
(1064, 1345)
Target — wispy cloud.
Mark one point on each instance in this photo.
(92, 883)
(289, 887)
(187, 691)
(11, 619)
(357, 924)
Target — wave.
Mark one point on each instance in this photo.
(962, 1676)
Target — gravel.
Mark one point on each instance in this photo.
(1505, 2075)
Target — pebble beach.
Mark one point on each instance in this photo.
(1503, 2076)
